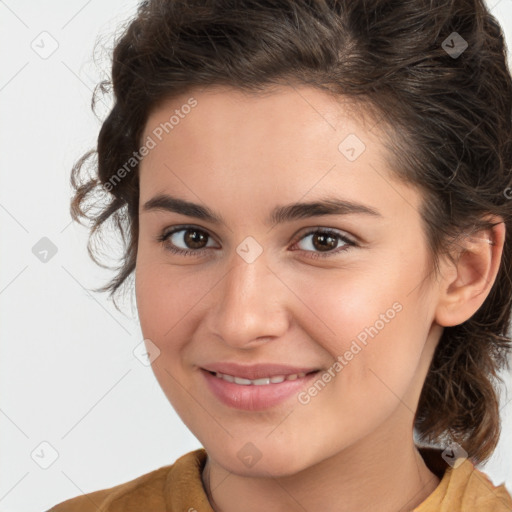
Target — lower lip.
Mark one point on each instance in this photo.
(255, 398)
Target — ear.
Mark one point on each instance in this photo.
(465, 284)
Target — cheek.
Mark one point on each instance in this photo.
(370, 323)
(166, 297)
(165, 304)
(342, 304)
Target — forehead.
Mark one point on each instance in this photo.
(293, 140)
(292, 113)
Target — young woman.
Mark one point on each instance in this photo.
(316, 201)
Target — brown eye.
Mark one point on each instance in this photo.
(324, 242)
(194, 239)
(319, 243)
(185, 240)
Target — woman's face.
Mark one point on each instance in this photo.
(268, 280)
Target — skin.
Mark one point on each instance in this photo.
(241, 155)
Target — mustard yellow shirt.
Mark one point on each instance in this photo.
(178, 488)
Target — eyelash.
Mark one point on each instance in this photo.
(163, 238)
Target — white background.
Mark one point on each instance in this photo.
(68, 375)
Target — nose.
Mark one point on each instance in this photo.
(251, 305)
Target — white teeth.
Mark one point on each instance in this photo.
(239, 380)
(261, 382)
(276, 379)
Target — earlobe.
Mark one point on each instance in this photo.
(467, 283)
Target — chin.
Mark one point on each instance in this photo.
(260, 459)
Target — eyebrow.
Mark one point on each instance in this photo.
(280, 214)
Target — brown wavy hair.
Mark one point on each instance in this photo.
(448, 120)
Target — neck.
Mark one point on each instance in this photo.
(393, 476)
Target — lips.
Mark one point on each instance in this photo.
(250, 396)
(258, 371)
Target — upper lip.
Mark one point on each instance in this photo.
(257, 371)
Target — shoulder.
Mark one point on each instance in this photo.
(482, 494)
(151, 491)
(464, 488)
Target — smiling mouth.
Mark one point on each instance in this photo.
(264, 381)
(269, 386)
